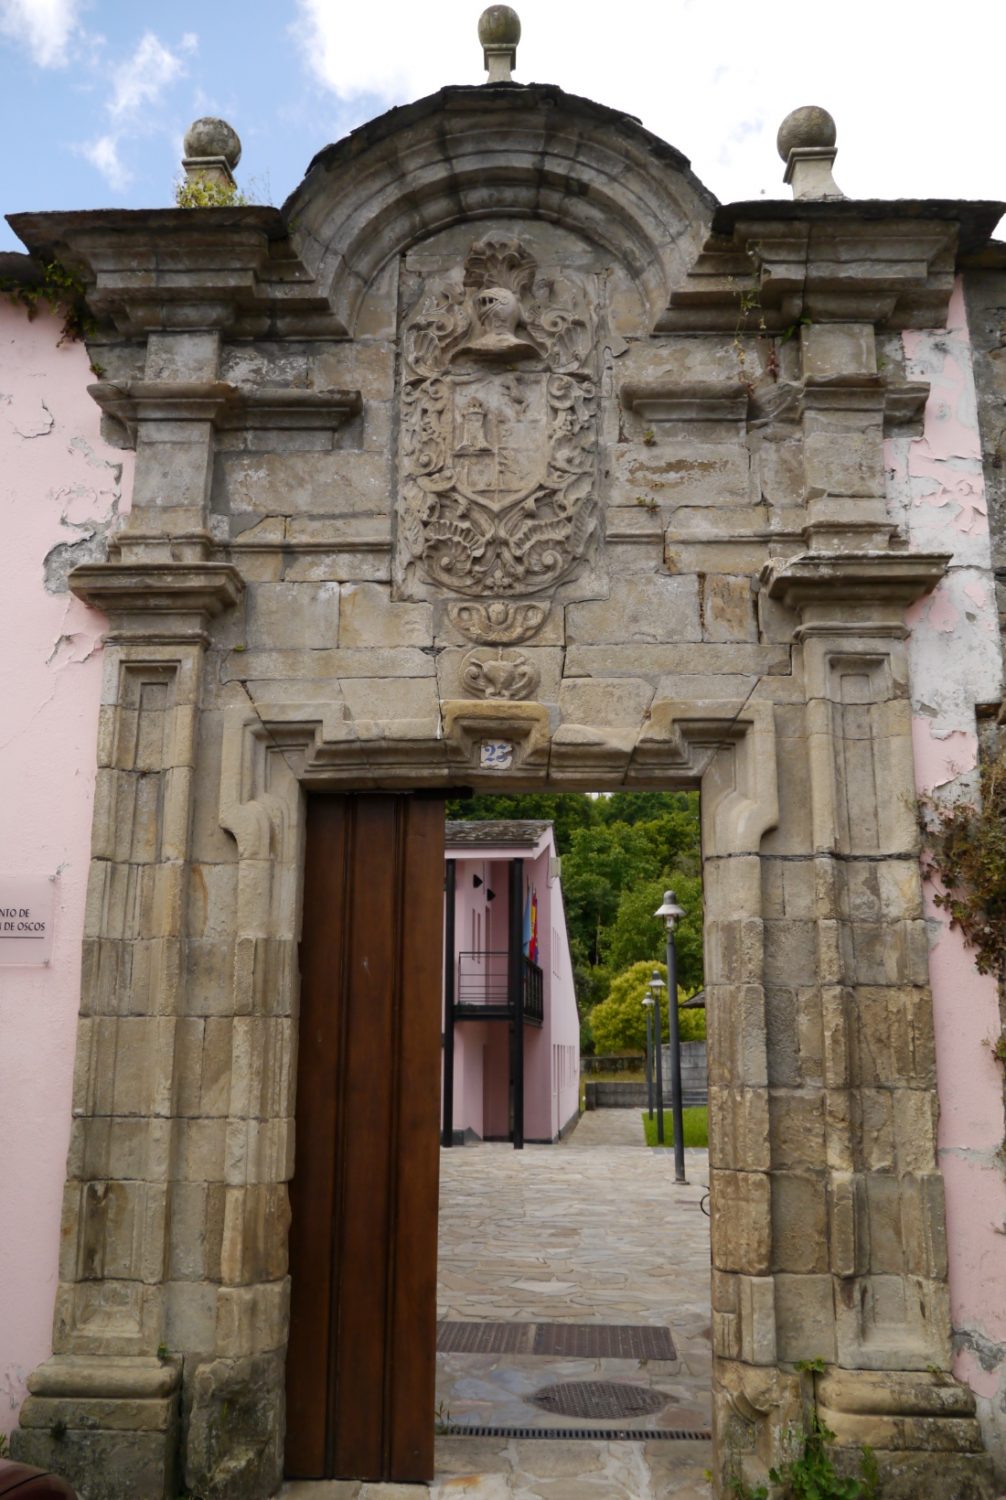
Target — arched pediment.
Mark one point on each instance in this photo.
(468, 154)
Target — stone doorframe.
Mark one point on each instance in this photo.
(793, 1275)
(828, 1232)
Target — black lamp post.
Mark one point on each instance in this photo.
(648, 1002)
(671, 911)
(656, 985)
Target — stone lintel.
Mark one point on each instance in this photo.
(225, 405)
(158, 587)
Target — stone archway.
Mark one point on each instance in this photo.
(492, 478)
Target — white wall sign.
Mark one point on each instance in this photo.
(26, 907)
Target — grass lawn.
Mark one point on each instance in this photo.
(695, 1120)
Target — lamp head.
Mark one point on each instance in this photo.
(656, 983)
(669, 910)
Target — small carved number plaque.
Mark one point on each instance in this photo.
(26, 904)
(497, 755)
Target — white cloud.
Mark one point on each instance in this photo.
(44, 27)
(138, 85)
(917, 110)
(143, 77)
(104, 154)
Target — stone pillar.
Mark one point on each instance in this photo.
(105, 1409)
(858, 1247)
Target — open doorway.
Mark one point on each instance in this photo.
(573, 1287)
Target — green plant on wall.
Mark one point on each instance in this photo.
(199, 192)
(59, 289)
(967, 853)
(811, 1475)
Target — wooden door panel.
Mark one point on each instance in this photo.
(361, 1360)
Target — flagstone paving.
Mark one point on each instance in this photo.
(591, 1231)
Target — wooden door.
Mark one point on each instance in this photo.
(363, 1240)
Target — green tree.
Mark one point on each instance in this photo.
(643, 807)
(618, 1024)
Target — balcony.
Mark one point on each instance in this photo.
(483, 991)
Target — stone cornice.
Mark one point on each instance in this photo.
(225, 405)
(766, 266)
(853, 593)
(687, 401)
(176, 268)
(158, 588)
(731, 401)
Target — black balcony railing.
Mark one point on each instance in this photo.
(483, 985)
(534, 993)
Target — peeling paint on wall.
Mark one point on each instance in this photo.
(937, 495)
(62, 490)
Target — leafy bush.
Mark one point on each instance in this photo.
(967, 843)
(618, 1024)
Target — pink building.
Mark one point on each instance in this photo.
(511, 1029)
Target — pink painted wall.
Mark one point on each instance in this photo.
(937, 493)
(59, 484)
(481, 1059)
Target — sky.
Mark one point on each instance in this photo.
(96, 95)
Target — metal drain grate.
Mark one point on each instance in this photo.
(484, 1338)
(604, 1341)
(599, 1400)
(567, 1340)
(581, 1434)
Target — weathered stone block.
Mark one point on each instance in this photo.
(741, 1221)
(796, 1129)
(683, 471)
(235, 1429)
(293, 614)
(594, 701)
(252, 1320)
(375, 698)
(309, 666)
(370, 618)
(800, 1223)
(340, 483)
(805, 1317)
(829, 349)
(728, 609)
(103, 1465)
(196, 1232)
(739, 1129)
(646, 609)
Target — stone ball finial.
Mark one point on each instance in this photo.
(212, 137)
(499, 26)
(810, 126)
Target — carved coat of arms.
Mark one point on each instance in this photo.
(499, 427)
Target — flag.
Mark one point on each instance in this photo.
(532, 949)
